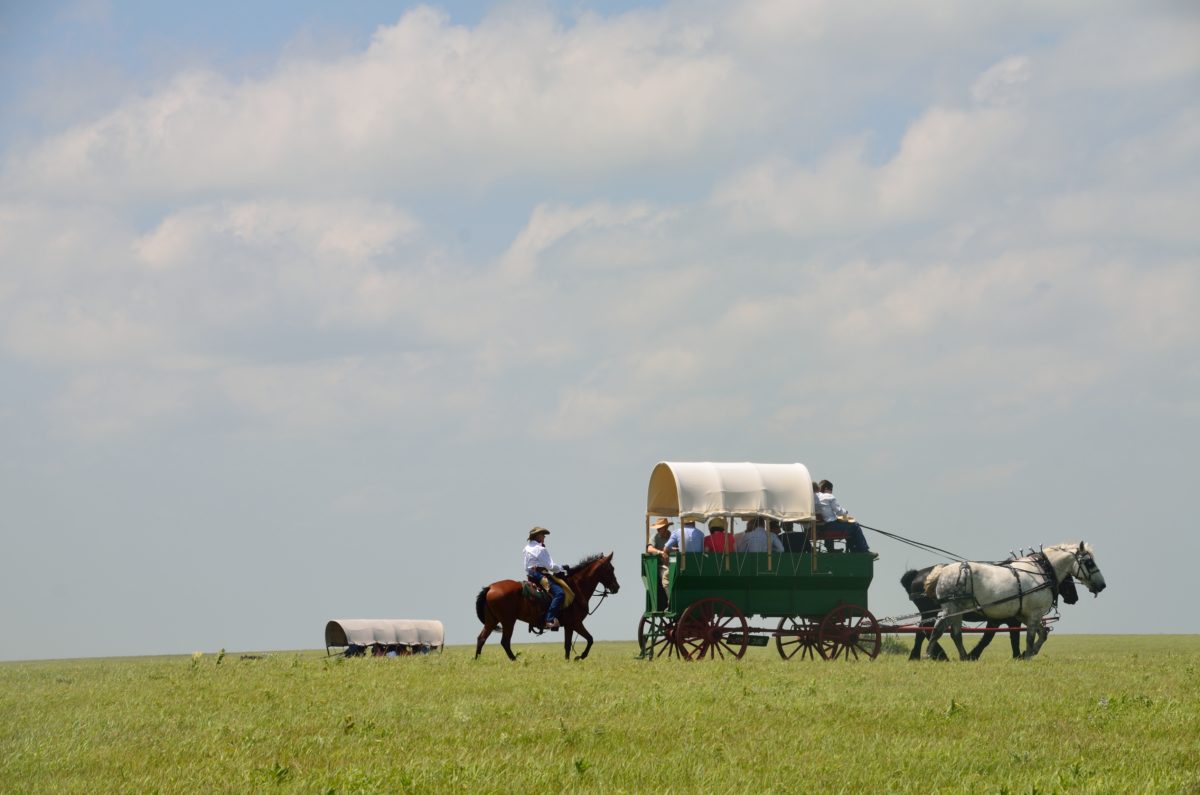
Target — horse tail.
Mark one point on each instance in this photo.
(481, 603)
(931, 580)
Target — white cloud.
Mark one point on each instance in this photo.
(1004, 83)
(427, 102)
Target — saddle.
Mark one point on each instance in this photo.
(540, 593)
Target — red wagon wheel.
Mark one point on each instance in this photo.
(849, 632)
(797, 636)
(657, 631)
(711, 627)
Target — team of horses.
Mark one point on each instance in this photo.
(1015, 592)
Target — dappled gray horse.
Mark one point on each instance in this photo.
(1020, 589)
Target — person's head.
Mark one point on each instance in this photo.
(826, 487)
(716, 525)
(774, 526)
(539, 534)
(753, 523)
(816, 487)
(660, 527)
(689, 523)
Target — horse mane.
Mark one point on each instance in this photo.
(589, 560)
(931, 579)
(1070, 546)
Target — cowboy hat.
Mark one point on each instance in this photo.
(661, 523)
(716, 523)
(538, 531)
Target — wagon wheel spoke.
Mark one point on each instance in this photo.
(796, 636)
(848, 632)
(655, 636)
(707, 629)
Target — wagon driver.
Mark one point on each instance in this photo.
(539, 564)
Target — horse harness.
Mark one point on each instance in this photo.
(1044, 568)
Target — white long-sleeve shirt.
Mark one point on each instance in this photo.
(537, 556)
(828, 509)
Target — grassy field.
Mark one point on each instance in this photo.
(1092, 714)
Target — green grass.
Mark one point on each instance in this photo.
(1092, 714)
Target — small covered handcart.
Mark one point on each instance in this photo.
(702, 604)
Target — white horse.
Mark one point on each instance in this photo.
(1019, 589)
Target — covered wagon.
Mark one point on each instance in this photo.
(412, 634)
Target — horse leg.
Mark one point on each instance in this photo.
(1030, 646)
(506, 637)
(1014, 638)
(586, 636)
(568, 632)
(984, 641)
(483, 636)
(935, 649)
(1042, 633)
(919, 639)
(956, 635)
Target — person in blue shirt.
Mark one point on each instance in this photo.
(692, 538)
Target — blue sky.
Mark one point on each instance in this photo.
(302, 305)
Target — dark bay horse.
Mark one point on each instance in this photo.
(503, 604)
(914, 584)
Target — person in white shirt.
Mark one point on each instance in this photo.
(756, 538)
(539, 564)
(832, 516)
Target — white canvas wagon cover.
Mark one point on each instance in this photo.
(702, 490)
(386, 631)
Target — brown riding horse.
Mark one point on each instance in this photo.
(503, 604)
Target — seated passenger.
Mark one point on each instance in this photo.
(692, 539)
(831, 516)
(756, 538)
(718, 540)
(794, 540)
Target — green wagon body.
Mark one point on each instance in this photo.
(786, 585)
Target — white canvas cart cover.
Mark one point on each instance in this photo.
(702, 490)
(385, 631)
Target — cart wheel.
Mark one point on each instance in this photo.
(848, 632)
(711, 627)
(657, 632)
(797, 636)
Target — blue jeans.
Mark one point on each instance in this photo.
(556, 596)
(855, 540)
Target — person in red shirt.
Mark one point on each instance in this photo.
(718, 539)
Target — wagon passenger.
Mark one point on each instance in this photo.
(832, 516)
(657, 546)
(692, 539)
(539, 565)
(658, 542)
(757, 539)
(718, 540)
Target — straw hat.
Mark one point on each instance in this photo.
(716, 523)
(661, 523)
(538, 531)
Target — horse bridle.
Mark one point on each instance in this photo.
(1087, 565)
(603, 595)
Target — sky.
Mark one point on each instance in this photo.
(311, 311)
